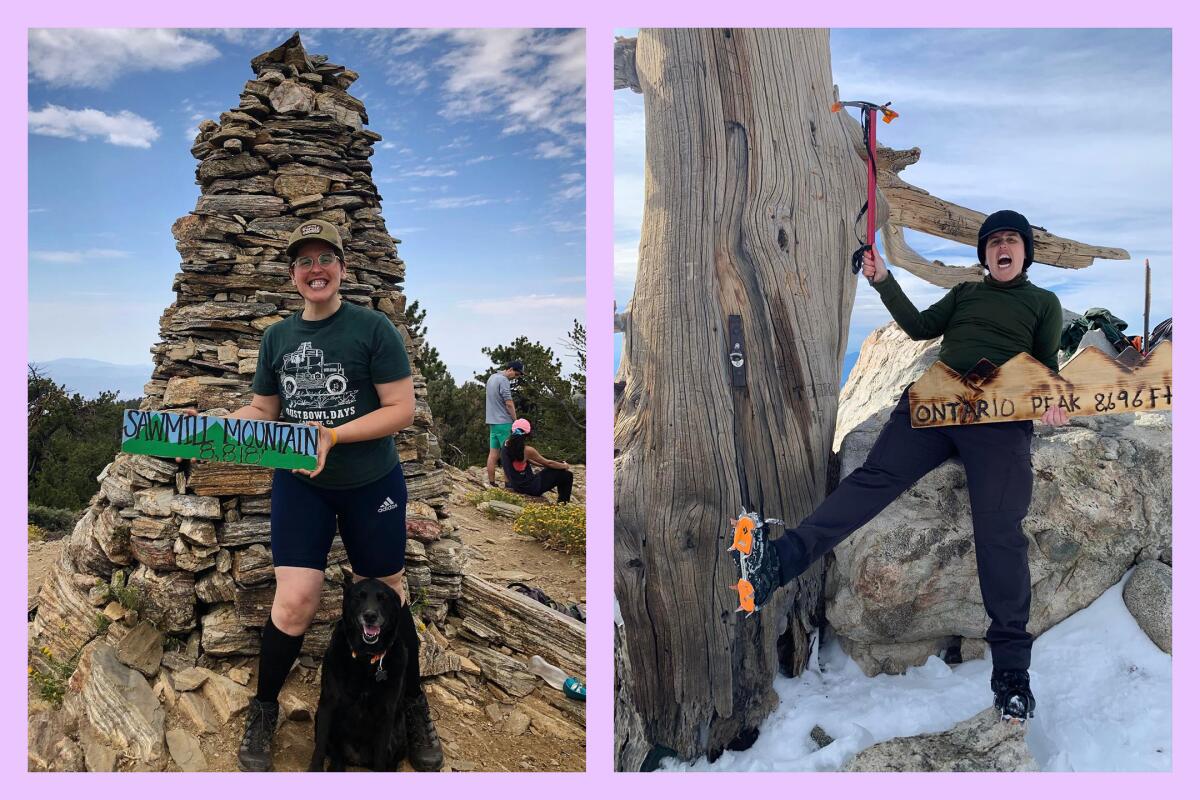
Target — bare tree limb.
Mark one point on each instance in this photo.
(624, 69)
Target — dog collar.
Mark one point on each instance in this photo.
(380, 672)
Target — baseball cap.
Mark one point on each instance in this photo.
(521, 426)
(315, 230)
(519, 366)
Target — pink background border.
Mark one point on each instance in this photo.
(600, 18)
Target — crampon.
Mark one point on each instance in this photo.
(751, 545)
(1013, 698)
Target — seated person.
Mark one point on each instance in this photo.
(517, 458)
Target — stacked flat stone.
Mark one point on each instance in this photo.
(194, 543)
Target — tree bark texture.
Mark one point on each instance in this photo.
(752, 188)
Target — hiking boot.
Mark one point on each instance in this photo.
(1013, 700)
(424, 746)
(254, 755)
(759, 571)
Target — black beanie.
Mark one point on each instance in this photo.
(1006, 221)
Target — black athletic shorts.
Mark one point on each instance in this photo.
(371, 520)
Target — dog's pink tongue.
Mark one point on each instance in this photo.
(371, 630)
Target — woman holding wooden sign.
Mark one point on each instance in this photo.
(344, 369)
(996, 319)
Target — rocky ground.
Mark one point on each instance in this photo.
(483, 727)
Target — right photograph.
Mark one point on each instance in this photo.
(893, 393)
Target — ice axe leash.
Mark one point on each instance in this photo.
(867, 111)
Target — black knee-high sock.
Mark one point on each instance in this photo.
(412, 643)
(279, 651)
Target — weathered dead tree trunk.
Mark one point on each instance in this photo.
(751, 189)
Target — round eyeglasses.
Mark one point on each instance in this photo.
(306, 262)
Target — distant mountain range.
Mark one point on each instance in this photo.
(89, 377)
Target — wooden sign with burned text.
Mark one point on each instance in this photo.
(166, 434)
(1090, 384)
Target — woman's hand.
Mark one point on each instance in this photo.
(1055, 416)
(325, 442)
(873, 266)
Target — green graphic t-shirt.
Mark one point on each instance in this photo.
(325, 371)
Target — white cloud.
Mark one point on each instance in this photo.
(573, 188)
(477, 160)
(38, 210)
(553, 150)
(457, 143)
(429, 172)
(442, 203)
(124, 129)
(530, 79)
(386, 145)
(95, 57)
(75, 256)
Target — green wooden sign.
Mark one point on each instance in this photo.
(168, 434)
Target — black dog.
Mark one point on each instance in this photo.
(360, 717)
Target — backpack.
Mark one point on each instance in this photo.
(1094, 319)
(533, 593)
(1161, 333)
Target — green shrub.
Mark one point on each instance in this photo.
(52, 684)
(54, 520)
(36, 534)
(502, 495)
(127, 596)
(562, 526)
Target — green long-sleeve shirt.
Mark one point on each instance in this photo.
(982, 320)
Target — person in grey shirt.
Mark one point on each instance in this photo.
(500, 413)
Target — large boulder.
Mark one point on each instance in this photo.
(980, 744)
(117, 705)
(887, 362)
(1147, 595)
(905, 586)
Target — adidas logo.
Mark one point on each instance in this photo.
(388, 505)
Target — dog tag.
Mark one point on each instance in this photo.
(380, 675)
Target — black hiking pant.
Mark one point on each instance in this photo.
(549, 478)
(1000, 483)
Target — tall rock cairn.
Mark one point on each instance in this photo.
(187, 548)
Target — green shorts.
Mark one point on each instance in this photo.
(498, 433)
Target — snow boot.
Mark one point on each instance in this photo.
(1013, 700)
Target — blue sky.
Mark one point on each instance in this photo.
(1070, 127)
(481, 170)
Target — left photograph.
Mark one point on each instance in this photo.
(306, 400)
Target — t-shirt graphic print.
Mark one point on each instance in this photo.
(308, 382)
